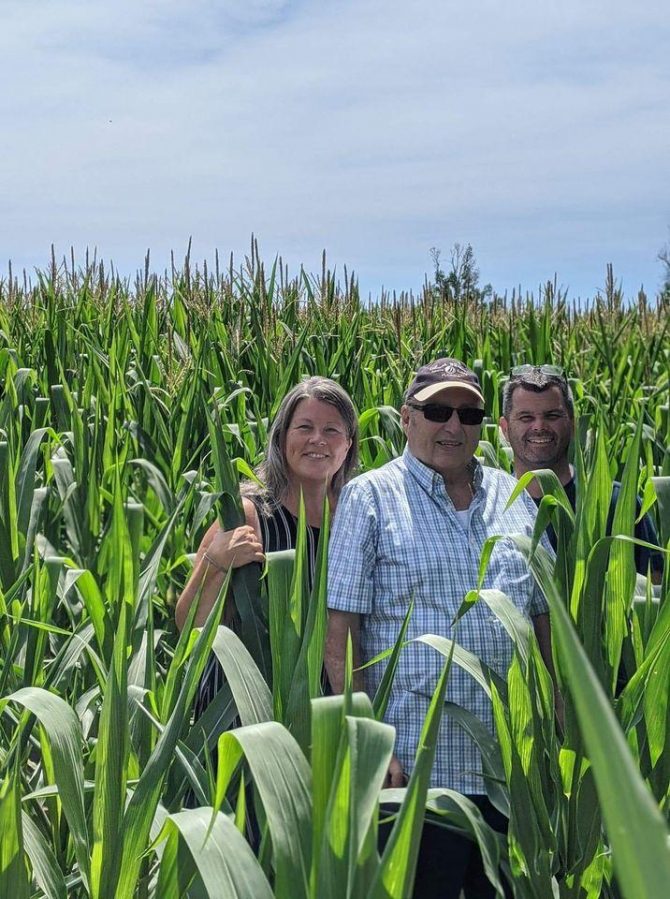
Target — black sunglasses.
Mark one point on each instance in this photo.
(554, 371)
(468, 415)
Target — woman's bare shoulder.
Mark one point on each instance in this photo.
(251, 516)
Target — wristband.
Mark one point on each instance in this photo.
(215, 565)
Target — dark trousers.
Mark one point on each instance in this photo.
(449, 863)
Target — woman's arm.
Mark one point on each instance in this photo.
(219, 551)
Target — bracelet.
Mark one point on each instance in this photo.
(214, 564)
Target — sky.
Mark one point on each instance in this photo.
(539, 133)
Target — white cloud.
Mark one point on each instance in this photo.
(375, 129)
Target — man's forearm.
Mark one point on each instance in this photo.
(542, 628)
(340, 625)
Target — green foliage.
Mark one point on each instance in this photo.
(126, 414)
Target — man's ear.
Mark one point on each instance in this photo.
(502, 421)
(404, 417)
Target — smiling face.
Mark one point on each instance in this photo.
(539, 429)
(316, 443)
(446, 447)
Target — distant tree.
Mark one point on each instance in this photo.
(462, 280)
(664, 257)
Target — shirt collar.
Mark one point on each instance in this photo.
(431, 481)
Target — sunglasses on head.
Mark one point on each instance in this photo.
(468, 415)
(554, 371)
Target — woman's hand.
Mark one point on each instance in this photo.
(219, 551)
(233, 549)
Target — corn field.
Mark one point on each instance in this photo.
(128, 413)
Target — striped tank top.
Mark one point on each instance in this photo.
(279, 531)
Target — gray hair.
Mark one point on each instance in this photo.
(272, 470)
(537, 381)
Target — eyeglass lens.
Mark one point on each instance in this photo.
(468, 415)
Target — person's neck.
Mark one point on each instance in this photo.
(312, 496)
(460, 489)
(561, 469)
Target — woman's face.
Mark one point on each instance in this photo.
(317, 442)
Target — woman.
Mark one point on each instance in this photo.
(313, 448)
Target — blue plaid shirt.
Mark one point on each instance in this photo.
(396, 535)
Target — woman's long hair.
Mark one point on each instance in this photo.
(272, 470)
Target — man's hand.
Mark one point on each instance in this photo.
(395, 777)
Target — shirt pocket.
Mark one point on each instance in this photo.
(400, 566)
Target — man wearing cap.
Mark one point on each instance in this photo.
(413, 531)
(538, 421)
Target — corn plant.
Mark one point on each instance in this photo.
(127, 412)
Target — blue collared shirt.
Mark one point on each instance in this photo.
(396, 535)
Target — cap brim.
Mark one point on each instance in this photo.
(432, 390)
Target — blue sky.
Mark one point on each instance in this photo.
(376, 129)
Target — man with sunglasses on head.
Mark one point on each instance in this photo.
(413, 531)
(538, 422)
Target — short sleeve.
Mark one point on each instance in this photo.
(352, 551)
